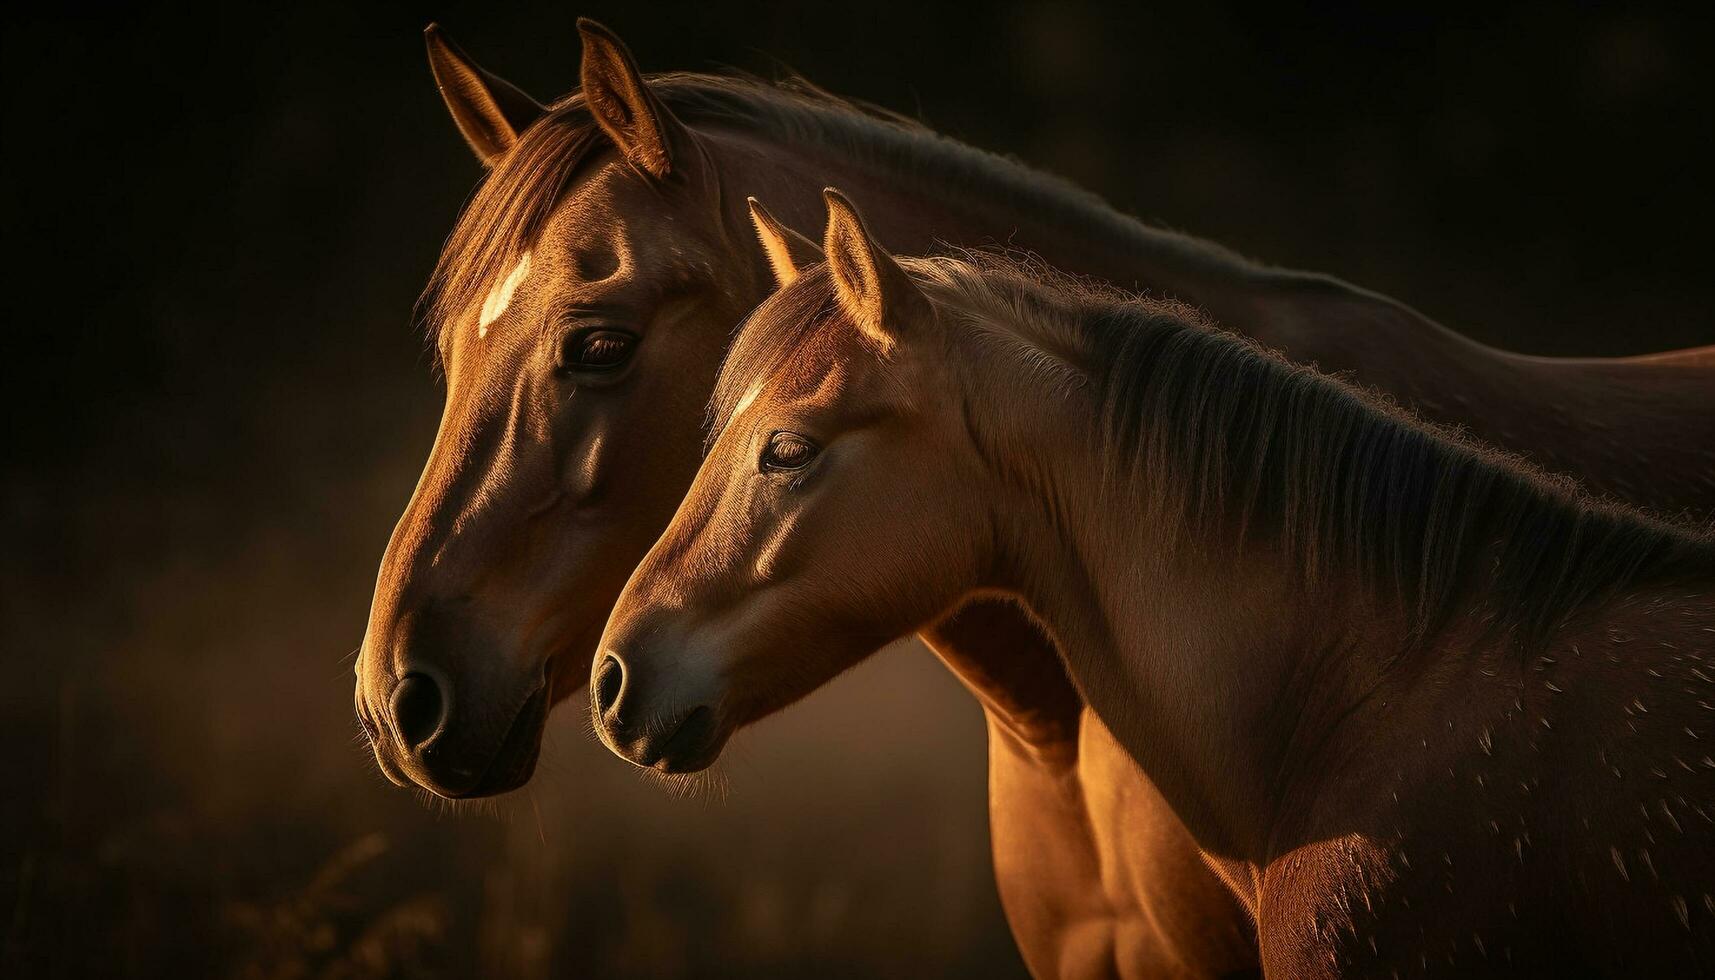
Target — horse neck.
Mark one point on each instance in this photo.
(1234, 682)
(1187, 663)
(1181, 661)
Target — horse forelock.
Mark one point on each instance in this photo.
(503, 218)
(789, 328)
(514, 201)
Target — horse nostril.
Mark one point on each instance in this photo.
(609, 679)
(417, 708)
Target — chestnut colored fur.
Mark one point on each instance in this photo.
(542, 492)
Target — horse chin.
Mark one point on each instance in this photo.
(515, 761)
(694, 746)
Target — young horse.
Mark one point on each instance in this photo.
(580, 312)
(1425, 708)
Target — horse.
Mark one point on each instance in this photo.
(1425, 707)
(579, 313)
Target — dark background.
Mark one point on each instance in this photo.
(215, 406)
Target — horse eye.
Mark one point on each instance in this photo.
(595, 349)
(786, 452)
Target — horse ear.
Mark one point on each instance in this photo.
(787, 250)
(619, 99)
(487, 109)
(871, 286)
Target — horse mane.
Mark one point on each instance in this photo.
(1230, 444)
(515, 199)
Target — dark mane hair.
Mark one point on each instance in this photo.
(515, 199)
(1241, 443)
(1228, 443)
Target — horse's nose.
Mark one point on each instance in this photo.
(419, 706)
(609, 681)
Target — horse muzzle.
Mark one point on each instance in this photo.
(422, 735)
(638, 729)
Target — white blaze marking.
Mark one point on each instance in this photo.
(500, 297)
(744, 403)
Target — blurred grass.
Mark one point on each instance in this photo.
(206, 809)
(322, 929)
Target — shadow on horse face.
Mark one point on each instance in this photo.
(575, 395)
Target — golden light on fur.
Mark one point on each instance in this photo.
(548, 483)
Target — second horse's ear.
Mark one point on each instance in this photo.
(649, 136)
(488, 110)
(787, 251)
(871, 287)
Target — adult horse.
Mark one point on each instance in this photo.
(1428, 710)
(580, 311)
